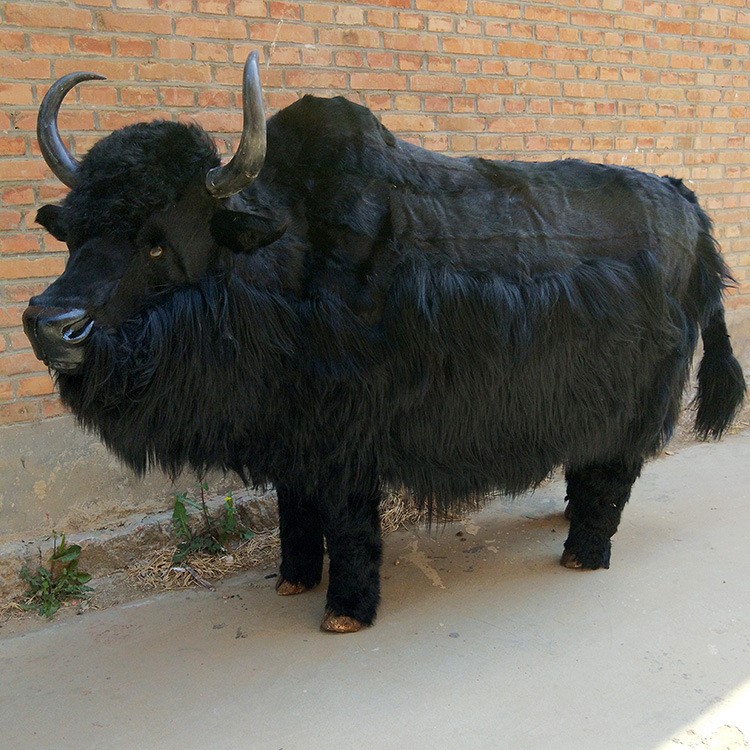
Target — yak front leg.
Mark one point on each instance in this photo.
(596, 496)
(352, 530)
(301, 533)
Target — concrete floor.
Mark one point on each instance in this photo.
(483, 641)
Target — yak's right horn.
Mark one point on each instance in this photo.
(58, 158)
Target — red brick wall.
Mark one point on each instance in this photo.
(662, 86)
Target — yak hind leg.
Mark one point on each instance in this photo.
(352, 531)
(596, 497)
(301, 532)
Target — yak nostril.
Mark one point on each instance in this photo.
(76, 332)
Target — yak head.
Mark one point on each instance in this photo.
(138, 220)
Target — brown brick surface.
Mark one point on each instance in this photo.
(661, 86)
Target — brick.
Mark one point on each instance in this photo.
(284, 10)
(221, 7)
(320, 13)
(412, 21)
(439, 64)
(23, 169)
(136, 23)
(176, 97)
(410, 42)
(399, 123)
(461, 124)
(17, 196)
(168, 72)
(51, 407)
(15, 93)
(546, 13)
(134, 47)
(443, 6)
(381, 18)
(18, 363)
(367, 38)
(513, 49)
(24, 268)
(215, 99)
(435, 83)
(348, 15)
(496, 10)
(19, 243)
(214, 28)
(467, 46)
(229, 123)
(142, 96)
(489, 86)
(88, 45)
(380, 59)
(322, 58)
(284, 32)
(378, 81)
(12, 41)
(177, 6)
(174, 49)
(410, 62)
(49, 44)
(12, 145)
(318, 79)
(47, 17)
(39, 385)
(99, 95)
(251, 8)
(350, 59)
(21, 411)
(211, 52)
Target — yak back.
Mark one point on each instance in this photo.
(364, 203)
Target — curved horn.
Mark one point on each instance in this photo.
(58, 158)
(229, 179)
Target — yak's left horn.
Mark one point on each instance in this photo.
(245, 165)
(58, 158)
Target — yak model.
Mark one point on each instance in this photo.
(336, 310)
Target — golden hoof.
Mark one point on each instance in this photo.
(287, 588)
(340, 624)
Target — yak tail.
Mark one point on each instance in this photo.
(721, 385)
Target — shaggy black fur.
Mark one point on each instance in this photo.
(368, 312)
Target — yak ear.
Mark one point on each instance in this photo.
(245, 233)
(50, 217)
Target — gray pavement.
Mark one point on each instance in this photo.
(483, 641)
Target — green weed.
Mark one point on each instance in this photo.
(49, 587)
(213, 534)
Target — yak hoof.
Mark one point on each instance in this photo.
(569, 560)
(287, 588)
(340, 623)
(584, 560)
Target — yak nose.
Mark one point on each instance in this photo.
(57, 335)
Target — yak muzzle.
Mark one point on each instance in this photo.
(58, 335)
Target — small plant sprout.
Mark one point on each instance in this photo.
(49, 587)
(213, 535)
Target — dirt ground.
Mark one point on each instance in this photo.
(483, 641)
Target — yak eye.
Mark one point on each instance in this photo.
(156, 252)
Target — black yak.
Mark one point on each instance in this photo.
(336, 311)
